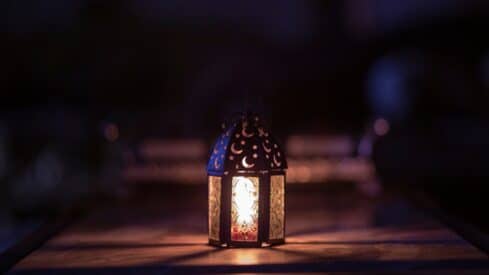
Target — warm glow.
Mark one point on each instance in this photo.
(277, 207)
(245, 257)
(244, 199)
(214, 206)
(244, 214)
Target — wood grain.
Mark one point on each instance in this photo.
(325, 232)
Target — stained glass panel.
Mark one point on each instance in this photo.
(214, 207)
(277, 207)
(244, 209)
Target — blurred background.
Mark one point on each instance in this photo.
(98, 97)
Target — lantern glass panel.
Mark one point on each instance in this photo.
(244, 209)
(214, 207)
(277, 207)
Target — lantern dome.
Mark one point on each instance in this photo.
(246, 145)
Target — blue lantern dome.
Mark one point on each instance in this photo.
(246, 145)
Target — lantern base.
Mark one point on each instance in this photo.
(246, 244)
(217, 243)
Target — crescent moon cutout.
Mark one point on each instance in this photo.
(277, 163)
(268, 150)
(245, 164)
(245, 134)
(216, 164)
(234, 150)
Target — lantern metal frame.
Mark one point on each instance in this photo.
(226, 162)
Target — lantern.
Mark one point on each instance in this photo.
(246, 174)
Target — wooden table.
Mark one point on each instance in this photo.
(164, 230)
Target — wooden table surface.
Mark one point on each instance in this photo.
(164, 231)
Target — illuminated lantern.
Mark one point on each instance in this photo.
(246, 173)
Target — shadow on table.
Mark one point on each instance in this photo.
(114, 245)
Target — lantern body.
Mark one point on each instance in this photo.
(246, 173)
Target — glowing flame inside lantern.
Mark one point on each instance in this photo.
(244, 214)
(245, 199)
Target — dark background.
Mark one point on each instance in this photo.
(84, 82)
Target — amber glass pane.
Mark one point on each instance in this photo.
(214, 206)
(277, 207)
(244, 209)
